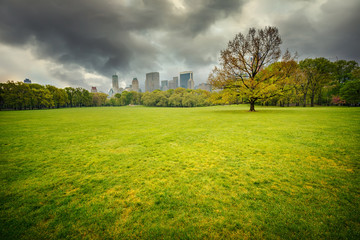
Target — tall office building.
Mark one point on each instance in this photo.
(135, 85)
(115, 82)
(191, 84)
(173, 84)
(164, 85)
(152, 81)
(185, 77)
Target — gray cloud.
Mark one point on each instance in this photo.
(332, 32)
(68, 33)
(206, 13)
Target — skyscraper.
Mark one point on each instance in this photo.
(191, 84)
(115, 82)
(173, 84)
(164, 85)
(135, 85)
(184, 78)
(152, 81)
(204, 86)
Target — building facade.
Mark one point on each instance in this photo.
(204, 86)
(115, 82)
(191, 84)
(164, 85)
(173, 84)
(135, 85)
(185, 77)
(152, 81)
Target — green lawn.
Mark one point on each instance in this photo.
(180, 173)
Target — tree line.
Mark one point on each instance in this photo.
(179, 97)
(322, 82)
(312, 81)
(20, 96)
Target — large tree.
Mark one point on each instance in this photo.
(245, 57)
(342, 70)
(318, 73)
(350, 92)
(98, 99)
(60, 97)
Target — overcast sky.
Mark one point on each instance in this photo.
(82, 43)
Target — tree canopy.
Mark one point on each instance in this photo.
(18, 96)
(247, 66)
(318, 72)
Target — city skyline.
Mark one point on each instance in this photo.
(162, 84)
(83, 43)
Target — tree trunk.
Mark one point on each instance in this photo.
(312, 100)
(305, 100)
(319, 98)
(252, 107)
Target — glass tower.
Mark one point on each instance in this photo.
(184, 78)
(115, 82)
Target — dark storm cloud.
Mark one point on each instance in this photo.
(104, 36)
(67, 31)
(333, 32)
(207, 13)
(68, 76)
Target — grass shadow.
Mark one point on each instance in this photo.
(243, 112)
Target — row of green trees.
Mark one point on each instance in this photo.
(125, 98)
(311, 81)
(18, 96)
(179, 97)
(322, 82)
(328, 82)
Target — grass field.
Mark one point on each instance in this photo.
(180, 173)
